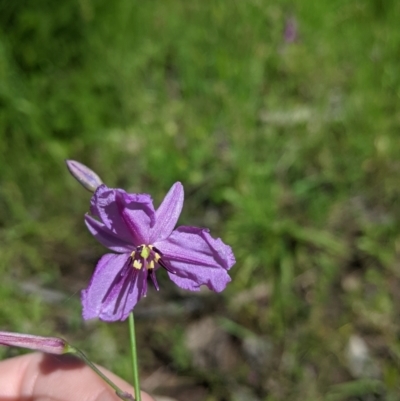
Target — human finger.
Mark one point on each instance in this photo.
(45, 377)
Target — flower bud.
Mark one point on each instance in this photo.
(51, 345)
(84, 175)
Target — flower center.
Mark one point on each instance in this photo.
(145, 255)
(149, 256)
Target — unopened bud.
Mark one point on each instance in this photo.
(84, 175)
(51, 345)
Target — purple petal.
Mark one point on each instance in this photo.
(106, 237)
(107, 271)
(197, 259)
(123, 297)
(222, 251)
(128, 216)
(137, 212)
(291, 31)
(192, 277)
(168, 213)
(112, 293)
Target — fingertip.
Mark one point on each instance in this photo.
(55, 377)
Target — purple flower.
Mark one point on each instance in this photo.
(291, 31)
(145, 240)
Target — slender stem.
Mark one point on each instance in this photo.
(132, 337)
(121, 394)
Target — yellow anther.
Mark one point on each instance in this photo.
(133, 255)
(151, 265)
(157, 257)
(137, 264)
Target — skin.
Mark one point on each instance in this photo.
(44, 377)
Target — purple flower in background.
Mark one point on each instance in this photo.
(291, 31)
(145, 240)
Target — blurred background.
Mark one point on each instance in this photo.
(282, 121)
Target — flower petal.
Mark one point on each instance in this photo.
(107, 237)
(126, 293)
(138, 214)
(107, 273)
(192, 277)
(197, 259)
(128, 216)
(168, 213)
(114, 289)
(104, 207)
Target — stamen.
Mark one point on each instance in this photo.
(166, 266)
(156, 250)
(154, 279)
(133, 280)
(148, 256)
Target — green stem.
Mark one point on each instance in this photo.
(132, 337)
(121, 394)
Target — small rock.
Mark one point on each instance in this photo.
(163, 398)
(210, 346)
(241, 393)
(360, 362)
(258, 352)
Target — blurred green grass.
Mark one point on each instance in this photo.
(288, 151)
